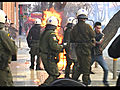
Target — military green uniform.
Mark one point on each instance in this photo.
(7, 49)
(66, 39)
(49, 50)
(83, 36)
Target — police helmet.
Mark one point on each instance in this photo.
(2, 16)
(38, 21)
(82, 14)
(52, 21)
(70, 20)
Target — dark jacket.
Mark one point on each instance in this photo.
(97, 49)
(34, 34)
(33, 39)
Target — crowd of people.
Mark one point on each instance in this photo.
(87, 44)
(87, 48)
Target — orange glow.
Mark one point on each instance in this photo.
(48, 14)
(26, 62)
(36, 81)
(62, 60)
(52, 12)
(31, 19)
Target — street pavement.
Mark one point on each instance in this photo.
(23, 76)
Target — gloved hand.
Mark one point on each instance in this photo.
(64, 45)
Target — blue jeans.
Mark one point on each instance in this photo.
(103, 64)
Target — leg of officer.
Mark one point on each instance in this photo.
(76, 72)
(32, 61)
(10, 78)
(51, 68)
(85, 64)
(6, 81)
(38, 62)
(67, 69)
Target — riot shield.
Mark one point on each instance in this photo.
(72, 53)
(111, 29)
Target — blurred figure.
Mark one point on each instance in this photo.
(13, 31)
(83, 36)
(7, 49)
(7, 25)
(33, 43)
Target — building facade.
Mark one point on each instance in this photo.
(11, 10)
(15, 12)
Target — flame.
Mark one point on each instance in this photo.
(52, 12)
(62, 60)
(48, 14)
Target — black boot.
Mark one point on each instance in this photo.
(38, 63)
(31, 67)
(106, 83)
(32, 61)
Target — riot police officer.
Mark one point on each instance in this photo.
(66, 41)
(33, 43)
(50, 49)
(83, 36)
(7, 49)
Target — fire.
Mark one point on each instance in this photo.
(49, 13)
(52, 12)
